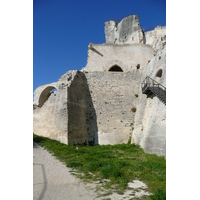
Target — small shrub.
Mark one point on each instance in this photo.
(133, 109)
(136, 95)
(129, 140)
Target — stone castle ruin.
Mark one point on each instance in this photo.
(104, 102)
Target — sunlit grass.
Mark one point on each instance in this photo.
(120, 164)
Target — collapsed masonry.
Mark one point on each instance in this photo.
(103, 103)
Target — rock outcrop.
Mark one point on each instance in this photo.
(127, 31)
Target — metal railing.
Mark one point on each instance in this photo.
(149, 82)
(150, 86)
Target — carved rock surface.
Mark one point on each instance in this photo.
(127, 31)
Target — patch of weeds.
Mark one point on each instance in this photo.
(74, 164)
(133, 109)
(116, 24)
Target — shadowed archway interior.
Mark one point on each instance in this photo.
(45, 95)
(159, 73)
(115, 68)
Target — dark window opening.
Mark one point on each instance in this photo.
(138, 66)
(115, 68)
(159, 73)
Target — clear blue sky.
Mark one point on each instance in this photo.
(62, 30)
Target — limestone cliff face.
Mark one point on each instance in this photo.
(127, 31)
(150, 119)
(156, 38)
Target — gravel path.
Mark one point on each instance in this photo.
(53, 181)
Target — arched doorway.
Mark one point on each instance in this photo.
(45, 95)
(115, 68)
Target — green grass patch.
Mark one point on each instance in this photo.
(120, 164)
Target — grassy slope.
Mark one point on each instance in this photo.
(120, 164)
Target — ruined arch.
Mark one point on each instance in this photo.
(159, 73)
(45, 95)
(112, 63)
(115, 68)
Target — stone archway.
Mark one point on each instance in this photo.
(113, 63)
(45, 95)
(115, 68)
(45, 89)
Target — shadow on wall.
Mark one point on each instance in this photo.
(91, 118)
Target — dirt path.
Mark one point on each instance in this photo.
(53, 181)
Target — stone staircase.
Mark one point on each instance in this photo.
(151, 87)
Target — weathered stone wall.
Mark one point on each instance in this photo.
(156, 38)
(40, 89)
(51, 119)
(103, 57)
(113, 96)
(54, 119)
(150, 119)
(76, 104)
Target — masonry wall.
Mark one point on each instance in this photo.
(113, 95)
(103, 56)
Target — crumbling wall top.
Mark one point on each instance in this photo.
(127, 31)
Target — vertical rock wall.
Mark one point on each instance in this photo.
(150, 120)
